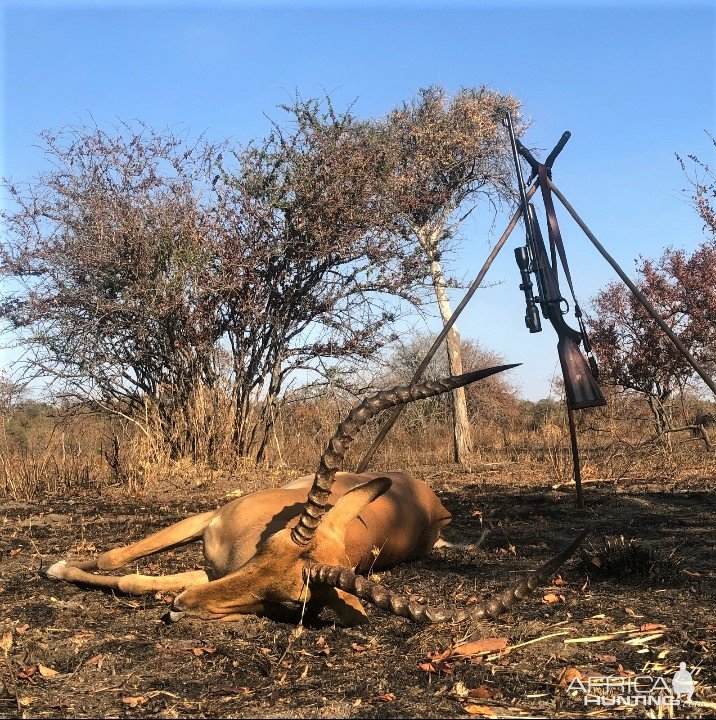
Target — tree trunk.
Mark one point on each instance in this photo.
(462, 435)
(661, 418)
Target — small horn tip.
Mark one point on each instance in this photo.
(486, 372)
(509, 366)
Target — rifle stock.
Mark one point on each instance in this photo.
(579, 384)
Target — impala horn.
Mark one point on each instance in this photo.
(385, 599)
(333, 455)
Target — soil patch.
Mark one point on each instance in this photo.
(72, 652)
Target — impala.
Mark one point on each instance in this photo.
(308, 545)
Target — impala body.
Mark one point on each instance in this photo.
(400, 525)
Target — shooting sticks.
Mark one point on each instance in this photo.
(545, 178)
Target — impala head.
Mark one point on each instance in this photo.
(273, 581)
(308, 563)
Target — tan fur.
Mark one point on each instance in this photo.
(252, 565)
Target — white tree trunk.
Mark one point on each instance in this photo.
(462, 435)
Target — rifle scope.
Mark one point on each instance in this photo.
(524, 263)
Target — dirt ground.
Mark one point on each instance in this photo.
(72, 652)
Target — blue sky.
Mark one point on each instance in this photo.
(633, 81)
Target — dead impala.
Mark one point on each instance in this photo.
(260, 559)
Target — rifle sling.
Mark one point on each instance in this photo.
(555, 236)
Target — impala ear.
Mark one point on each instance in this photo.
(349, 505)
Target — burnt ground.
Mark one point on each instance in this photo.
(72, 652)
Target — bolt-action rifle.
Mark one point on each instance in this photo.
(580, 381)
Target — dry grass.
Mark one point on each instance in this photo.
(47, 451)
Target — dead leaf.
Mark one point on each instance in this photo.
(28, 673)
(479, 647)
(444, 655)
(199, 651)
(551, 598)
(27, 700)
(47, 672)
(387, 697)
(22, 629)
(358, 648)
(437, 662)
(481, 693)
(480, 710)
(135, 701)
(652, 626)
(438, 666)
(569, 674)
(559, 581)
(629, 612)
(609, 659)
(6, 641)
(97, 660)
(15, 551)
(322, 645)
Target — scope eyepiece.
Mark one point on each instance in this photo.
(532, 320)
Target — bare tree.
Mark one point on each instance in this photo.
(488, 400)
(440, 155)
(105, 252)
(702, 189)
(633, 351)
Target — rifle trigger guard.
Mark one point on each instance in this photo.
(557, 301)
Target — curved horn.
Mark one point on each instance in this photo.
(333, 455)
(385, 599)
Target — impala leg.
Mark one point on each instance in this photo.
(129, 584)
(180, 533)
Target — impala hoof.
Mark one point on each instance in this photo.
(56, 571)
(173, 616)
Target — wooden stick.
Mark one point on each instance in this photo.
(575, 458)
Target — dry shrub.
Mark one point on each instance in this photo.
(46, 451)
(42, 451)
